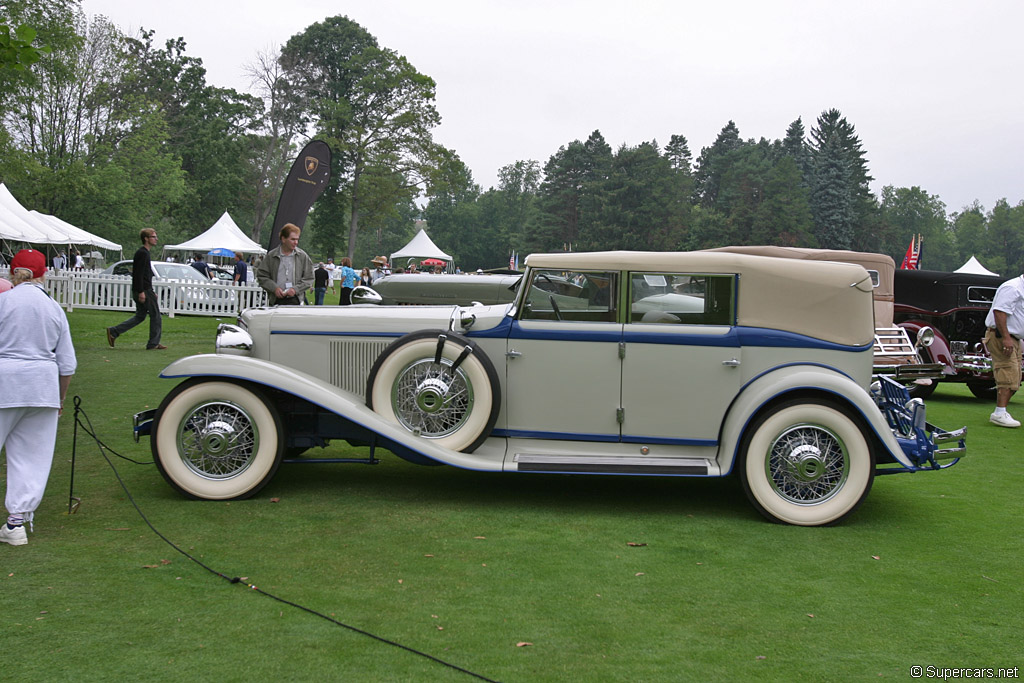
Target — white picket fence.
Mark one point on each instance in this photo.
(93, 289)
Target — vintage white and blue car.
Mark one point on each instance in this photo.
(628, 363)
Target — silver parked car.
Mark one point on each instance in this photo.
(619, 363)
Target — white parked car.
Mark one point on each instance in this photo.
(202, 295)
(620, 363)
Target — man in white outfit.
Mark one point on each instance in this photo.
(37, 360)
(1005, 322)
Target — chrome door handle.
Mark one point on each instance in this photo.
(512, 353)
(732, 362)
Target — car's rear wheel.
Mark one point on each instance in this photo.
(437, 385)
(217, 440)
(806, 462)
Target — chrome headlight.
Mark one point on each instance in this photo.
(233, 340)
(365, 295)
(925, 336)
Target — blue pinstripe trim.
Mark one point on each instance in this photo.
(339, 334)
(667, 441)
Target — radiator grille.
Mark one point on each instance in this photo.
(351, 362)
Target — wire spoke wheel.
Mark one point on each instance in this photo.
(218, 440)
(807, 464)
(430, 400)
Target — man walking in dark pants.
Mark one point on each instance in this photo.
(142, 291)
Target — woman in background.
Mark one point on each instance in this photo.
(348, 277)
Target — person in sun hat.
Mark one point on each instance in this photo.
(37, 360)
(381, 268)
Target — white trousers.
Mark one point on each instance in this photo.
(28, 435)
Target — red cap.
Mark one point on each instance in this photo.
(30, 259)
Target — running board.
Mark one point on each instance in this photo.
(611, 464)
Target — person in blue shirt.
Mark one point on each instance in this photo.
(348, 277)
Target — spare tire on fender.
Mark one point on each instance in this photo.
(438, 385)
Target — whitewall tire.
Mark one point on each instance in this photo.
(806, 462)
(217, 440)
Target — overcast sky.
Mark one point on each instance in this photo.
(932, 87)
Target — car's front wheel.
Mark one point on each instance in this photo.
(438, 385)
(806, 462)
(217, 440)
(983, 389)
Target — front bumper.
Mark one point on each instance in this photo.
(923, 443)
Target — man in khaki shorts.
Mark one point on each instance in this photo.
(1005, 322)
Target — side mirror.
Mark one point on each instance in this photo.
(365, 295)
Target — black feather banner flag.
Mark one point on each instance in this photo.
(309, 176)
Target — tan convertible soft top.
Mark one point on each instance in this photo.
(822, 299)
(885, 291)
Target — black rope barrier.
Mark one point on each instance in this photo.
(74, 502)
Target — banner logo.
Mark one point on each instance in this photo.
(312, 163)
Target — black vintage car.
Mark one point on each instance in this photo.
(954, 305)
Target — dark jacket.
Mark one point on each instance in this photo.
(320, 277)
(142, 272)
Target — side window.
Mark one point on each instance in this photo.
(587, 296)
(680, 298)
(123, 269)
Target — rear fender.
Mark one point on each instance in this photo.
(327, 396)
(781, 382)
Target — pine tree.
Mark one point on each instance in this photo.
(832, 200)
(708, 175)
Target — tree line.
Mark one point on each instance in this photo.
(116, 132)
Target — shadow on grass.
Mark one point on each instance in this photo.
(395, 481)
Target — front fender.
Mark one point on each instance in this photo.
(778, 383)
(939, 350)
(329, 397)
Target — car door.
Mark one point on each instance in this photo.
(681, 357)
(563, 369)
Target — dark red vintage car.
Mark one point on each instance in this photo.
(954, 305)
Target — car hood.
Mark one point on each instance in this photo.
(370, 319)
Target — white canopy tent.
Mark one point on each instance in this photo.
(18, 224)
(75, 234)
(223, 234)
(974, 267)
(420, 247)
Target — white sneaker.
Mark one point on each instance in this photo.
(1003, 420)
(15, 536)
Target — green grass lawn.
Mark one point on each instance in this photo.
(466, 566)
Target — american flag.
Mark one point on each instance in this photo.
(513, 261)
(912, 261)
